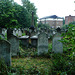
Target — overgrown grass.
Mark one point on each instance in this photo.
(42, 65)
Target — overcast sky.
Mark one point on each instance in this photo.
(60, 8)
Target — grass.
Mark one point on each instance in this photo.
(29, 61)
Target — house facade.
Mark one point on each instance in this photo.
(55, 23)
(69, 19)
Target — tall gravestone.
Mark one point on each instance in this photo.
(57, 46)
(14, 41)
(42, 43)
(5, 52)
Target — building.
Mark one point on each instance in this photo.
(53, 21)
(69, 19)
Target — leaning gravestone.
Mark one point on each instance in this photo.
(5, 52)
(14, 41)
(42, 43)
(57, 46)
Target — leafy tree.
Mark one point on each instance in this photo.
(30, 8)
(69, 38)
(7, 19)
(13, 15)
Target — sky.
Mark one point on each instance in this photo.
(60, 8)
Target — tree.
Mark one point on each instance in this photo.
(7, 19)
(30, 8)
(13, 15)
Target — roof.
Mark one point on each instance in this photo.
(52, 16)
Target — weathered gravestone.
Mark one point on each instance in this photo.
(5, 52)
(42, 43)
(57, 46)
(14, 41)
(24, 40)
(34, 40)
(14, 32)
(19, 33)
(4, 31)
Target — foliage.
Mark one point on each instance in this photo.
(65, 63)
(13, 15)
(30, 52)
(62, 64)
(69, 39)
(4, 70)
(6, 14)
(23, 34)
(32, 66)
(30, 8)
(40, 25)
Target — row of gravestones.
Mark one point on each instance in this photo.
(41, 42)
(11, 48)
(29, 32)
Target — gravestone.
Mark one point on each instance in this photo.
(5, 52)
(42, 43)
(19, 33)
(57, 46)
(1, 35)
(14, 32)
(24, 40)
(14, 41)
(3, 31)
(34, 40)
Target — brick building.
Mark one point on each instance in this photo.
(52, 21)
(69, 19)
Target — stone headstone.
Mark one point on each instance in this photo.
(19, 33)
(5, 52)
(14, 41)
(14, 32)
(34, 40)
(57, 46)
(42, 43)
(24, 40)
(3, 31)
